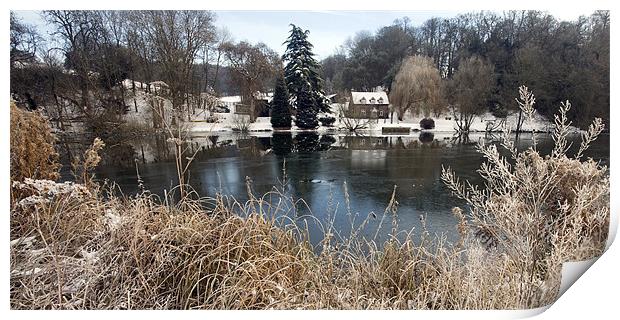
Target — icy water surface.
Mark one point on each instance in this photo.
(317, 169)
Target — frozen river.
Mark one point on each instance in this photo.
(317, 168)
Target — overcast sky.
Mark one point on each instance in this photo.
(328, 29)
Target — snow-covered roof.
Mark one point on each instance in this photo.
(268, 96)
(369, 97)
(264, 96)
(159, 83)
(231, 99)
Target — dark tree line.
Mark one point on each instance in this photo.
(557, 60)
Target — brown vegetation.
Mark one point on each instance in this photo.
(32, 146)
(416, 87)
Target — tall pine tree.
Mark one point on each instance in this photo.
(280, 112)
(307, 111)
(302, 70)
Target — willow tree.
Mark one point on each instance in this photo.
(470, 90)
(416, 87)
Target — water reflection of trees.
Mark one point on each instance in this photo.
(326, 142)
(306, 142)
(461, 138)
(412, 162)
(426, 137)
(282, 143)
(213, 140)
(156, 148)
(425, 140)
(120, 155)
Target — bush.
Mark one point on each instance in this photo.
(212, 119)
(241, 123)
(427, 123)
(32, 146)
(327, 121)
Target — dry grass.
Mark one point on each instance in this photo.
(81, 247)
(80, 252)
(32, 146)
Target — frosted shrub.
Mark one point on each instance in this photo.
(51, 206)
(241, 123)
(539, 211)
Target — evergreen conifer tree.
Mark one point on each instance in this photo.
(302, 70)
(280, 112)
(306, 117)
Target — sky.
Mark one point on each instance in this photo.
(328, 29)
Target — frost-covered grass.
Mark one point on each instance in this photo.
(79, 246)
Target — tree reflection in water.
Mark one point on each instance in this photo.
(426, 137)
(282, 143)
(306, 142)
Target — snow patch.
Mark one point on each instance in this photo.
(26, 273)
(25, 241)
(113, 221)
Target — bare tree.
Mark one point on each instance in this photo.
(176, 38)
(24, 41)
(142, 49)
(223, 37)
(254, 67)
(469, 91)
(416, 87)
(79, 30)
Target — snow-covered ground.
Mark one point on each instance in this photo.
(203, 121)
(446, 123)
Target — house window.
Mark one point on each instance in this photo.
(380, 100)
(381, 113)
(363, 100)
(372, 100)
(364, 113)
